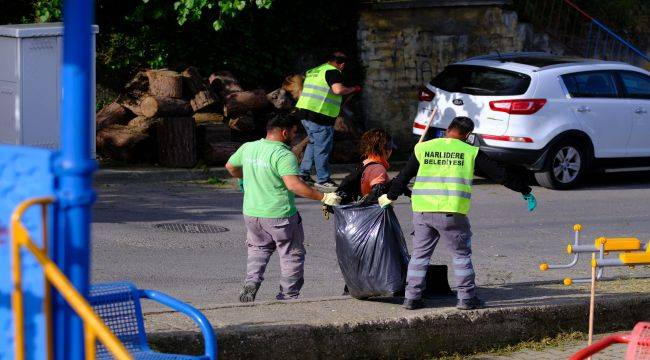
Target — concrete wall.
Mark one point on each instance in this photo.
(403, 47)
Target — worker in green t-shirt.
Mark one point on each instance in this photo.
(271, 177)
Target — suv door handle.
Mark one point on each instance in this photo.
(583, 109)
(640, 111)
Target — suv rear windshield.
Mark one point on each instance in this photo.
(480, 80)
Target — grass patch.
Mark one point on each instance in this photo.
(216, 181)
(563, 339)
(228, 184)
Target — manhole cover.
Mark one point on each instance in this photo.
(191, 228)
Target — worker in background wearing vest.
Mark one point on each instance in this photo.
(441, 200)
(320, 102)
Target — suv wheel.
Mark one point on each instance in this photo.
(567, 164)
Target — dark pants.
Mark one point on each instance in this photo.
(457, 236)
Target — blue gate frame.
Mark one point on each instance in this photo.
(66, 174)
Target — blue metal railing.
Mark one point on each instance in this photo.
(579, 32)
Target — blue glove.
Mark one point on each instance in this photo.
(532, 202)
(240, 184)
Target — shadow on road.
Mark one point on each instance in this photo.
(177, 202)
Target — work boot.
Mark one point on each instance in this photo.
(307, 179)
(413, 304)
(248, 292)
(470, 304)
(327, 186)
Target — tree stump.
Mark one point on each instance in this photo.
(197, 89)
(155, 106)
(240, 103)
(113, 114)
(176, 142)
(165, 83)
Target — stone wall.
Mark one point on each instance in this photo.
(401, 48)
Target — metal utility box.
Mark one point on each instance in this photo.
(30, 84)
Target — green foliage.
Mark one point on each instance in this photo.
(259, 45)
(192, 10)
(47, 10)
(260, 41)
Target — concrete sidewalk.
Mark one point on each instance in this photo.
(345, 328)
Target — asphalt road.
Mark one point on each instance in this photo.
(208, 269)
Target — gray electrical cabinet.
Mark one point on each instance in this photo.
(30, 84)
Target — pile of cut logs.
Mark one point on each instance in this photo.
(182, 119)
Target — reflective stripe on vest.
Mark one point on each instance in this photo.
(317, 96)
(444, 179)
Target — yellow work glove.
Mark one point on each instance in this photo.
(384, 201)
(331, 199)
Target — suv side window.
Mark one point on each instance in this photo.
(637, 85)
(591, 84)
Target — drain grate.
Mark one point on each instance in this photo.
(191, 228)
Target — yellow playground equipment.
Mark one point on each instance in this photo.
(629, 251)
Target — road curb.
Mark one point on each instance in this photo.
(420, 336)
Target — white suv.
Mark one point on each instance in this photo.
(557, 116)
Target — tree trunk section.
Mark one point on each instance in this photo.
(243, 102)
(138, 86)
(126, 144)
(243, 123)
(293, 85)
(113, 114)
(155, 106)
(165, 83)
(280, 99)
(197, 89)
(202, 100)
(176, 142)
(208, 118)
(224, 83)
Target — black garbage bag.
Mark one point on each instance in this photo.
(371, 250)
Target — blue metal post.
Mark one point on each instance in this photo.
(75, 168)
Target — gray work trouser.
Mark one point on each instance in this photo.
(454, 229)
(264, 236)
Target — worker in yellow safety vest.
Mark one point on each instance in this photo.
(320, 104)
(441, 200)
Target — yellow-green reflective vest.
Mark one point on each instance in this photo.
(444, 179)
(317, 96)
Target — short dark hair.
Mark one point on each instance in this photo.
(463, 124)
(283, 122)
(339, 57)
